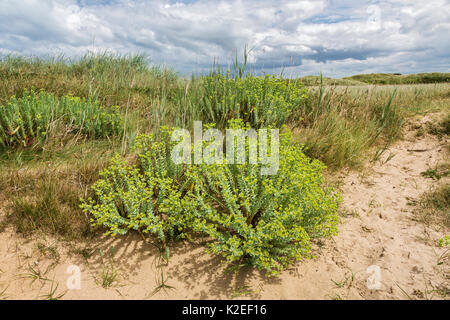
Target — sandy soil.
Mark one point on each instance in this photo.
(377, 229)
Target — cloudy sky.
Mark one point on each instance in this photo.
(338, 38)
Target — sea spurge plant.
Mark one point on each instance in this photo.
(127, 198)
(260, 101)
(266, 221)
(144, 197)
(27, 121)
(90, 118)
(154, 154)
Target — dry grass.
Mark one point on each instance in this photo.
(434, 207)
(346, 126)
(43, 194)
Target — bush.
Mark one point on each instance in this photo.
(266, 221)
(28, 121)
(25, 121)
(260, 101)
(89, 118)
(145, 197)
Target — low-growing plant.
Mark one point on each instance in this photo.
(25, 121)
(30, 120)
(89, 118)
(260, 101)
(146, 198)
(265, 221)
(435, 173)
(444, 241)
(51, 295)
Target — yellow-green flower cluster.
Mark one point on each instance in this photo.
(265, 221)
(260, 101)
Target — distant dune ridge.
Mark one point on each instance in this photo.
(380, 78)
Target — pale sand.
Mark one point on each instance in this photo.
(378, 229)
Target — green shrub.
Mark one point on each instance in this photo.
(266, 221)
(89, 118)
(25, 121)
(260, 101)
(28, 121)
(145, 198)
(127, 199)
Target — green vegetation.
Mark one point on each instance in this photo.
(32, 119)
(265, 221)
(311, 81)
(145, 198)
(63, 122)
(386, 78)
(378, 79)
(444, 241)
(108, 78)
(340, 126)
(437, 173)
(259, 101)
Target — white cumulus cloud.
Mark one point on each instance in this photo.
(304, 36)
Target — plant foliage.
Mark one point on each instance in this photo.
(28, 121)
(266, 221)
